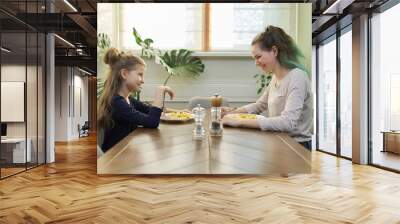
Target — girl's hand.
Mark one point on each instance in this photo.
(168, 110)
(162, 90)
(186, 111)
(160, 95)
(170, 92)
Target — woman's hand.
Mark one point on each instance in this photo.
(231, 120)
(232, 110)
(226, 110)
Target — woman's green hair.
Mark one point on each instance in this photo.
(289, 55)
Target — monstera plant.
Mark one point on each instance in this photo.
(178, 62)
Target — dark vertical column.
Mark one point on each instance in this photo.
(317, 95)
(369, 81)
(37, 89)
(26, 87)
(338, 93)
(1, 165)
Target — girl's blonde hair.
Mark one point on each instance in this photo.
(117, 61)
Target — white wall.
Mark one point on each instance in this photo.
(61, 103)
(67, 115)
(33, 126)
(79, 117)
(231, 77)
(14, 73)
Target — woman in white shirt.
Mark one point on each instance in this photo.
(287, 101)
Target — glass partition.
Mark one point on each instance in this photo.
(22, 77)
(327, 96)
(346, 94)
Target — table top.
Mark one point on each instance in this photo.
(170, 149)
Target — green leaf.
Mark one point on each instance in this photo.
(100, 87)
(136, 95)
(138, 39)
(103, 41)
(177, 62)
(181, 63)
(148, 41)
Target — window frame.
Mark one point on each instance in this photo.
(334, 37)
(371, 14)
(205, 46)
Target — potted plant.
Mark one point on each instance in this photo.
(263, 81)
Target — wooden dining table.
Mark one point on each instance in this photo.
(171, 149)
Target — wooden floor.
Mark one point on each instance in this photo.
(70, 191)
(10, 171)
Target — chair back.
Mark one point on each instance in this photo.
(204, 102)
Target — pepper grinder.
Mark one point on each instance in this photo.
(198, 131)
(216, 127)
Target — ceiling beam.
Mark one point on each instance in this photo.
(337, 7)
(81, 61)
(86, 27)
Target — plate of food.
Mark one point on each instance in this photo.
(178, 116)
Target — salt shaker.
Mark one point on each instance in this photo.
(198, 131)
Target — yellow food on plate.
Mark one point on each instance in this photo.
(246, 116)
(181, 115)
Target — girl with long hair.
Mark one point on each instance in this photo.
(118, 112)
